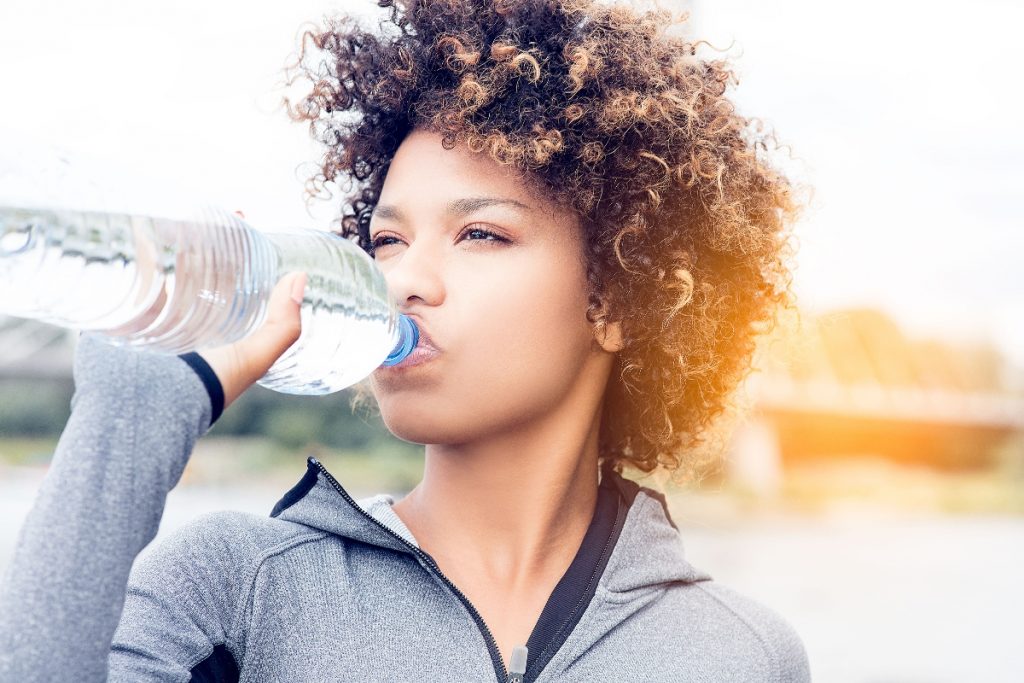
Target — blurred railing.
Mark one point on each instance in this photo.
(850, 383)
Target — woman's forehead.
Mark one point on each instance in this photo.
(455, 178)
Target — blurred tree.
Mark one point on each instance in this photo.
(41, 407)
(34, 408)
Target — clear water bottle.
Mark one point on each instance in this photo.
(177, 280)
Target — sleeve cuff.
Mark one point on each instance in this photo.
(210, 381)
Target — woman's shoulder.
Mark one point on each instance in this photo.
(226, 538)
(733, 619)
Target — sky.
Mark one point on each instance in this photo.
(901, 115)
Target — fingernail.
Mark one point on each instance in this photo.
(299, 289)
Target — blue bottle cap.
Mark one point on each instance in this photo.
(408, 337)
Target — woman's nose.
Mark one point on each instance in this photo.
(414, 274)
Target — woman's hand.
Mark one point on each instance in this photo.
(240, 364)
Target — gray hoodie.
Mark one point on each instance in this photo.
(325, 588)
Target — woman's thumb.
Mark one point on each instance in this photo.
(279, 330)
(284, 320)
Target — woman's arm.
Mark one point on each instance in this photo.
(134, 421)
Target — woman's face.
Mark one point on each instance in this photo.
(496, 277)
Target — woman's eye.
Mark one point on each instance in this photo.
(474, 234)
(380, 242)
(487, 235)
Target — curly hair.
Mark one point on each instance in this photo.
(686, 219)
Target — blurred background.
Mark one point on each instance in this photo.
(873, 493)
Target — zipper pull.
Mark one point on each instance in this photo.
(517, 664)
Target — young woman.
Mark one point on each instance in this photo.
(589, 238)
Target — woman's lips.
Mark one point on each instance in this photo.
(419, 356)
(424, 352)
(425, 340)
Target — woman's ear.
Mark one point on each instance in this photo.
(609, 336)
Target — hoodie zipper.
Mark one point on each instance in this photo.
(492, 646)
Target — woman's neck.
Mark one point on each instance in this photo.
(513, 510)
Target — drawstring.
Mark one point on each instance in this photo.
(517, 664)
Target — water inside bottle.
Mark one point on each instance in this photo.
(173, 286)
(85, 245)
(349, 322)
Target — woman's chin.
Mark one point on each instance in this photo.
(418, 434)
(424, 425)
(414, 426)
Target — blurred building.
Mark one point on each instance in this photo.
(850, 383)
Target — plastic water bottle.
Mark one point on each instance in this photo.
(175, 281)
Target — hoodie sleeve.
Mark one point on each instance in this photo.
(134, 421)
(783, 655)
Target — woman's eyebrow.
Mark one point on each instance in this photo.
(457, 207)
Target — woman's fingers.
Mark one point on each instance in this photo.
(282, 326)
(239, 365)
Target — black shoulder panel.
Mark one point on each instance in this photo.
(219, 667)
